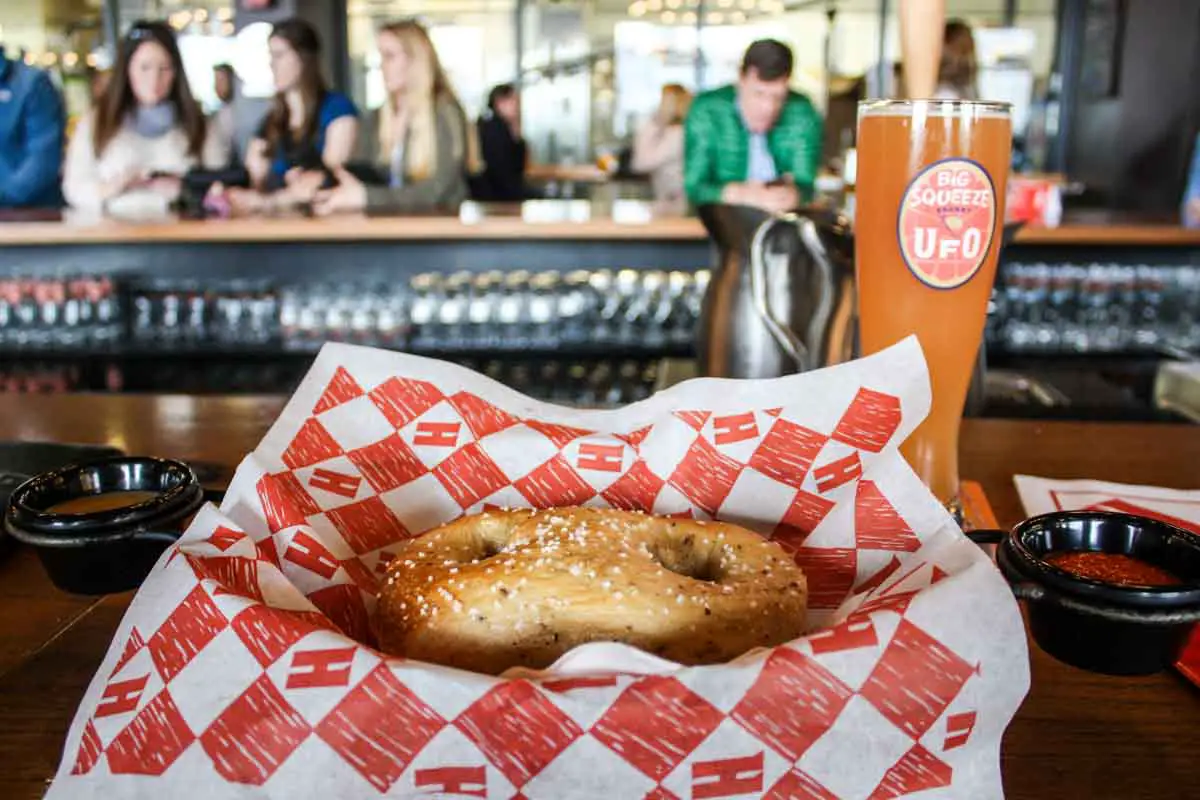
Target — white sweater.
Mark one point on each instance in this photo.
(84, 173)
(658, 151)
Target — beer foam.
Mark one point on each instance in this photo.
(934, 108)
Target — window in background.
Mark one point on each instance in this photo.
(556, 116)
(648, 56)
(251, 60)
(559, 83)
(200, 54)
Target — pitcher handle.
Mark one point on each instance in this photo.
(791, 344)
(819, 323)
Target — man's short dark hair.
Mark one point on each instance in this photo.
(498, 93)
(770, 59)
(227, 69)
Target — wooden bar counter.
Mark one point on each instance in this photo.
(537, 219)
(1077, 735)
(540, 235)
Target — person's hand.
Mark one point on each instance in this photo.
(776, 198)
(131, 177)
(168, 186)
(780, 197)
(216, 202)
(348, 195)
(234, 201)
(742, 194)
(303, 184)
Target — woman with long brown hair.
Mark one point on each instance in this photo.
(419, 140)
(145, 132)
(309, 129)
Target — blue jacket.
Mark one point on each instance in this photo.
(31, 136)
(1193, 188)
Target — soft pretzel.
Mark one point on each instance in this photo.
(520, 588)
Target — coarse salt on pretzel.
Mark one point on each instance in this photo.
(519, 588)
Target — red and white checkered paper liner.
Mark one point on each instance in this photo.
(242, 670)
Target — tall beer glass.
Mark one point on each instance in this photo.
(928, 230)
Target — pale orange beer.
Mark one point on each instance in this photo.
(928, 230)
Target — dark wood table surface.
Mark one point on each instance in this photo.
(1077, 735)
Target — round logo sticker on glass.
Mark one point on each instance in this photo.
(946, 222)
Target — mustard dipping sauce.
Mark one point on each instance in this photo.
(107, 501)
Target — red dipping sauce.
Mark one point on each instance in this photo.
(1115, 568)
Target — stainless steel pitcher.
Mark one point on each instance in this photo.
(781, 298)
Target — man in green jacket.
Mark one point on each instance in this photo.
(754, 143)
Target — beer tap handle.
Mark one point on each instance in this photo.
(921, 30)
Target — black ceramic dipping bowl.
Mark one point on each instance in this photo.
(104, 551)
(1099, 626)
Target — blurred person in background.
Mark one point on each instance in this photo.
(1191, 195)
(503, 148)
(420, 145)
(32, 120)
(145, 133)
(658, 149)
(309, 132)
(755, 143)
(222, 120)
(958, 69)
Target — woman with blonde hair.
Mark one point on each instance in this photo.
(419, 142)
(658, 148)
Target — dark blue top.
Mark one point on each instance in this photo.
(32, 125)
(307, 155)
